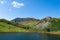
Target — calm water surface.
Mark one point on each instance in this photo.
(28, 36)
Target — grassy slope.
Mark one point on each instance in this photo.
(30, 24)
(4, 27)
(7, 26)
(55, 25)
(10, 28)
(55, 33)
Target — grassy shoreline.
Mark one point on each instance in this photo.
(54, 33)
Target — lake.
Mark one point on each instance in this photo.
(28, 36)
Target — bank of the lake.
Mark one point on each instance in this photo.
(54, 33)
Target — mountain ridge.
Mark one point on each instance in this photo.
(17, 20)
(29, 24)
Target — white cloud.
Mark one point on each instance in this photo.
(2, 2)
(17, 4)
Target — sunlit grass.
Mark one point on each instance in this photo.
(10, 28)
(30, 23)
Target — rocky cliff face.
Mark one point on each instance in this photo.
(44, 23)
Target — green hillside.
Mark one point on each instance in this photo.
(30, 24)
(7, 26)
(47, 24)
(53, 26)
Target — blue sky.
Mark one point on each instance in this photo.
(10, 9)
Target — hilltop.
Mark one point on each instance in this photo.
(19, 20)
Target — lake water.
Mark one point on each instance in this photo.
(28, 36)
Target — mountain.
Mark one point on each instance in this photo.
(19, 20)
(27, 22)
(10, 26)
(48, 23)
(45, 24)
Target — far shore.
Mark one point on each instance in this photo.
(54, 33)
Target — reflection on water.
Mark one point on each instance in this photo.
(28, 36)
(53, 37)
(50, 37)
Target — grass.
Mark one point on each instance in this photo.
(10, 28)
(54, 33)
(7, 26)
(30, 23)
